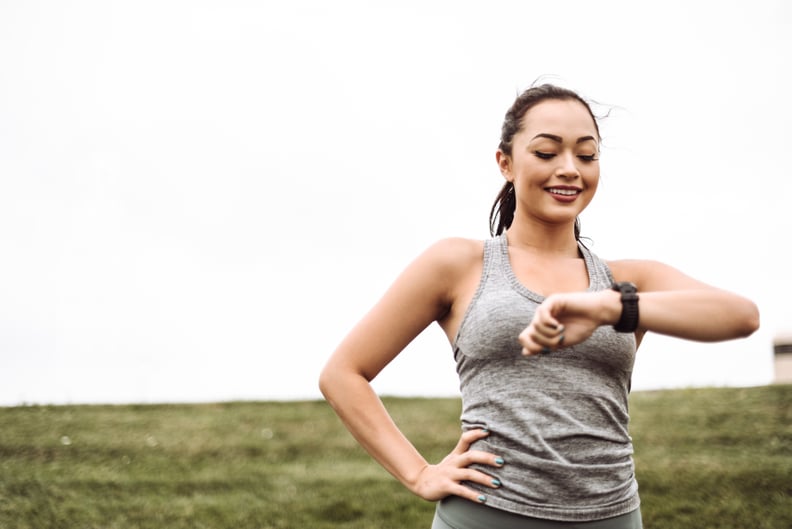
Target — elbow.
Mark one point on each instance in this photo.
(331, 381)
(325, 382)
(339, 382)
(749, 322)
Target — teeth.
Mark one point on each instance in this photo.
(568, 192)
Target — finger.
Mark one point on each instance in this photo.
(474, 476)
(547, 327)
(534, 342)
(468, 494)
(556, 343)
(544, 314)
(468, 438)
(541, 334)
(546, 324)
(560, 341)
(531, 348)
(542, 328)
(480, 457)
(556, 340)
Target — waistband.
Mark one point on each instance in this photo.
(460, 513)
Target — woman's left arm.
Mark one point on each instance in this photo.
(669, 302)
(675, 304)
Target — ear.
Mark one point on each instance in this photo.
(504, 164)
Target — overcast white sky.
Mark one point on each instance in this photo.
(198, 199)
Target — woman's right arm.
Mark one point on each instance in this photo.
(422, 294)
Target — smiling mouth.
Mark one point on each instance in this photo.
(564, 191)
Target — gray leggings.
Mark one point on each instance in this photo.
(458, 513)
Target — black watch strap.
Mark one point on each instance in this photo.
(628, 322)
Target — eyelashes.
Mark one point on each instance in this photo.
(549, 155)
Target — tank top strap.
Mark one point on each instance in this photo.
(496, 256)
(491, 262)
(600, 275)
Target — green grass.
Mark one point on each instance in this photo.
(705, 458)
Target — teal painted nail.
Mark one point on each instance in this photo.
(499, 461)
(545, 350)
(561, 339)
(482, 499)
(496, 482)
(485, 430)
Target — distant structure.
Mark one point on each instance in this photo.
(782, 349)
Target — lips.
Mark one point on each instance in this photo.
(564, 193)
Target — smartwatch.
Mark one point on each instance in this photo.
(628, 321)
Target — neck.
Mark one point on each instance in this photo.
(553, 239)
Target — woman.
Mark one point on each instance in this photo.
(544, 334)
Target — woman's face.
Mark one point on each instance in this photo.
(554, 164)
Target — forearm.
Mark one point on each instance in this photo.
(707, 315)
(364, 415)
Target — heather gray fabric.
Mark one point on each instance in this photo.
(458, 513)
(559, 420)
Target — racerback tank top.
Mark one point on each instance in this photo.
(559, 420)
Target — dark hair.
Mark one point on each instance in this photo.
(502, 212)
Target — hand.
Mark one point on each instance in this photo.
(435, 482)
(568, 319)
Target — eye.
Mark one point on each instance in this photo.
(588, 157)
(544, 155)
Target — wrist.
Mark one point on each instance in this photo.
(414, 483)
(612, 307)
(410, 474)
(628, 318)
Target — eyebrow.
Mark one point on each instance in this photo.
(559, 139)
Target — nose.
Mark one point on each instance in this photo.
(568, 166)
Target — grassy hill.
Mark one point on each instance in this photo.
(705, 458)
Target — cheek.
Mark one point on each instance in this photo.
(531, 169)
(591, 181)
(591, 178)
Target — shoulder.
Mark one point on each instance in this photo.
(453, 255)
(433, 279)
(457, 247)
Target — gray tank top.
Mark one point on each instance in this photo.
(559, 420)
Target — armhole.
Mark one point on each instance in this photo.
(486, 266)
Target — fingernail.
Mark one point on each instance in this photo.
(482, 499)
(561, 339)
(499, 461)
(545, 350)
(496, 482)
(560, 328)
(485, 430)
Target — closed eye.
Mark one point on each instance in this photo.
(588, 157)
(544, 155)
